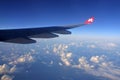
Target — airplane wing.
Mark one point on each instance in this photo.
(23, 36)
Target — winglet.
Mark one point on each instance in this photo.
(89, 21)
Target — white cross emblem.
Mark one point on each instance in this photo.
(90, 20)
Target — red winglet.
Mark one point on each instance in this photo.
(89, 21)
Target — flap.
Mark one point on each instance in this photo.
(44, 35)
(21, 40)
(62, 32)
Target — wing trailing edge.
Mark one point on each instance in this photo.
(21, 41)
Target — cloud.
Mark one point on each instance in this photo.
(55, 50)
(65, 61)
(106, 45)
(102, 67)
(97, 59)
(60, 64)
(97, 65)
(61, 47)
(91, 46)
(64, 55)
(6, 77)
(26, 58)
(13, 69)
(69, 55)
(111, 44)
(107, 71)
(5, 69)
(83, 64)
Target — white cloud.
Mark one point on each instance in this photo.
(4, 69)
(60, 63)
(97, 59)
(82, 60)
(55, 50)
(6, 77)
(64, 55)
(13, 69)
(102, 67)
(62, 47)
(107, 71)
(65, 58)
(69, 55)
(91, 46)
(83, 64)
(47, 52)
(21, 59)
(111, 44)
(107, 45)
(26, 58)
(65, 61)
(72, 44)
(95, 65)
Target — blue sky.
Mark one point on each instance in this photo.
(35, 13)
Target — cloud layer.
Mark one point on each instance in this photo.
(96, 64)
(6, 77)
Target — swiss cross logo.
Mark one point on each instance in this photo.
(90, 20)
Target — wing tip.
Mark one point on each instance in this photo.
(90, 20)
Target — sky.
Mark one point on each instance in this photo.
(43, 13)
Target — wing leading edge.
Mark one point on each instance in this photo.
(23, 36)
